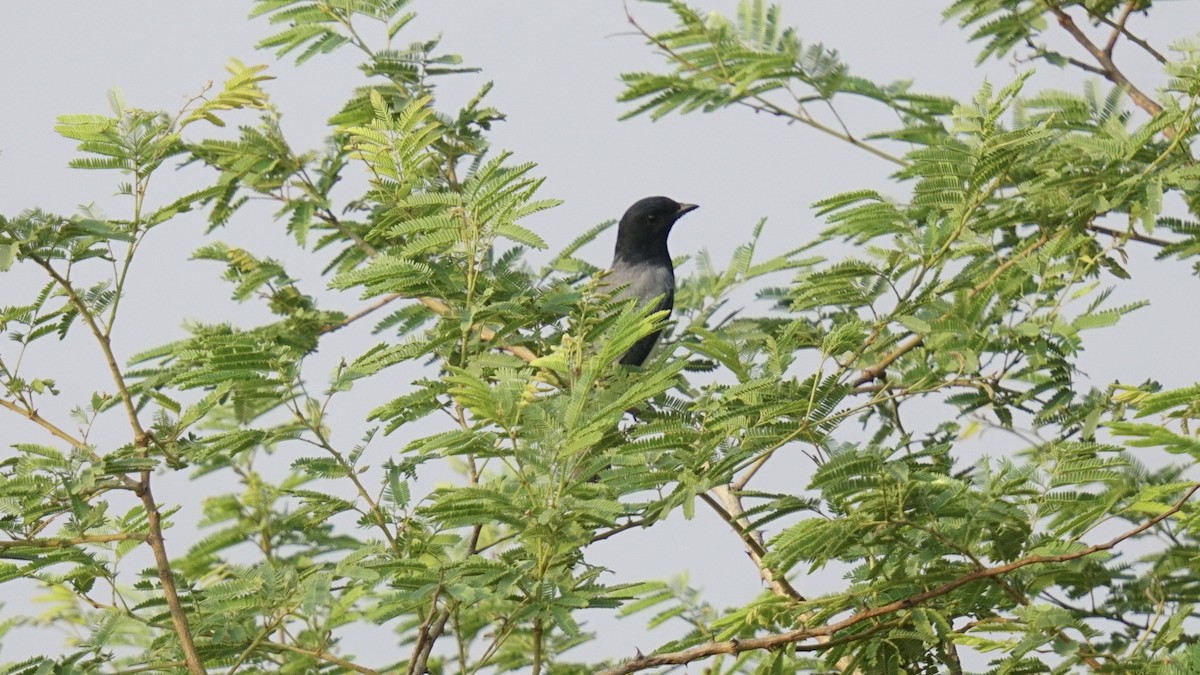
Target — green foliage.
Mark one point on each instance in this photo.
(465, 513)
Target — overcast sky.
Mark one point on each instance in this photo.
(556, 66)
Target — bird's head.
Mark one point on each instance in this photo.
(643, 231)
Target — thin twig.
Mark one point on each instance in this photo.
(258, 639)
(615, 531)
(42, 422)
(359, 314)
(1041, 52)
(1129, 234)
(105, 347)
(760, 104)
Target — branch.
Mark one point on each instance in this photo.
(105, 347)
(1129, 234)
(154, 537)
(359, 314)
(68, 542)
(1111, 71)
(320, 655)
(615, 531)
(874, 371)
(427, 634)
(740, 482)
(792, 637)
(1120, 28)
(37, 419)
(731, 511)
(163, 564)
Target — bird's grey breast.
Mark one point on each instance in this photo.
(644, 281)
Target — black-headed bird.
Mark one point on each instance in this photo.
(642, 266)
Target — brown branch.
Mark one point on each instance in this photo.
(154, 538)
(170, 593)
(1111, 71)
(731, 511)
(1120, 27)
(320, 655)
(870, 373)
(37, 419)
(1129, 234)
(429, 635)
(359, 314)
(792, 637)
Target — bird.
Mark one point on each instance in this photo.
(642, 267)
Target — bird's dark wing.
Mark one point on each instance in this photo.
(644, 281)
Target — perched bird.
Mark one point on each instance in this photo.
(642, 266)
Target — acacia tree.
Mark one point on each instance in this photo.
(1016, 212)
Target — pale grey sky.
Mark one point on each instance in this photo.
(556, 66)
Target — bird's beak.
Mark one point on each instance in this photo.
(686, 208)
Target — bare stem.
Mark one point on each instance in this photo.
(33, 416)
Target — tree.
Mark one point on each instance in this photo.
(1017, 211)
